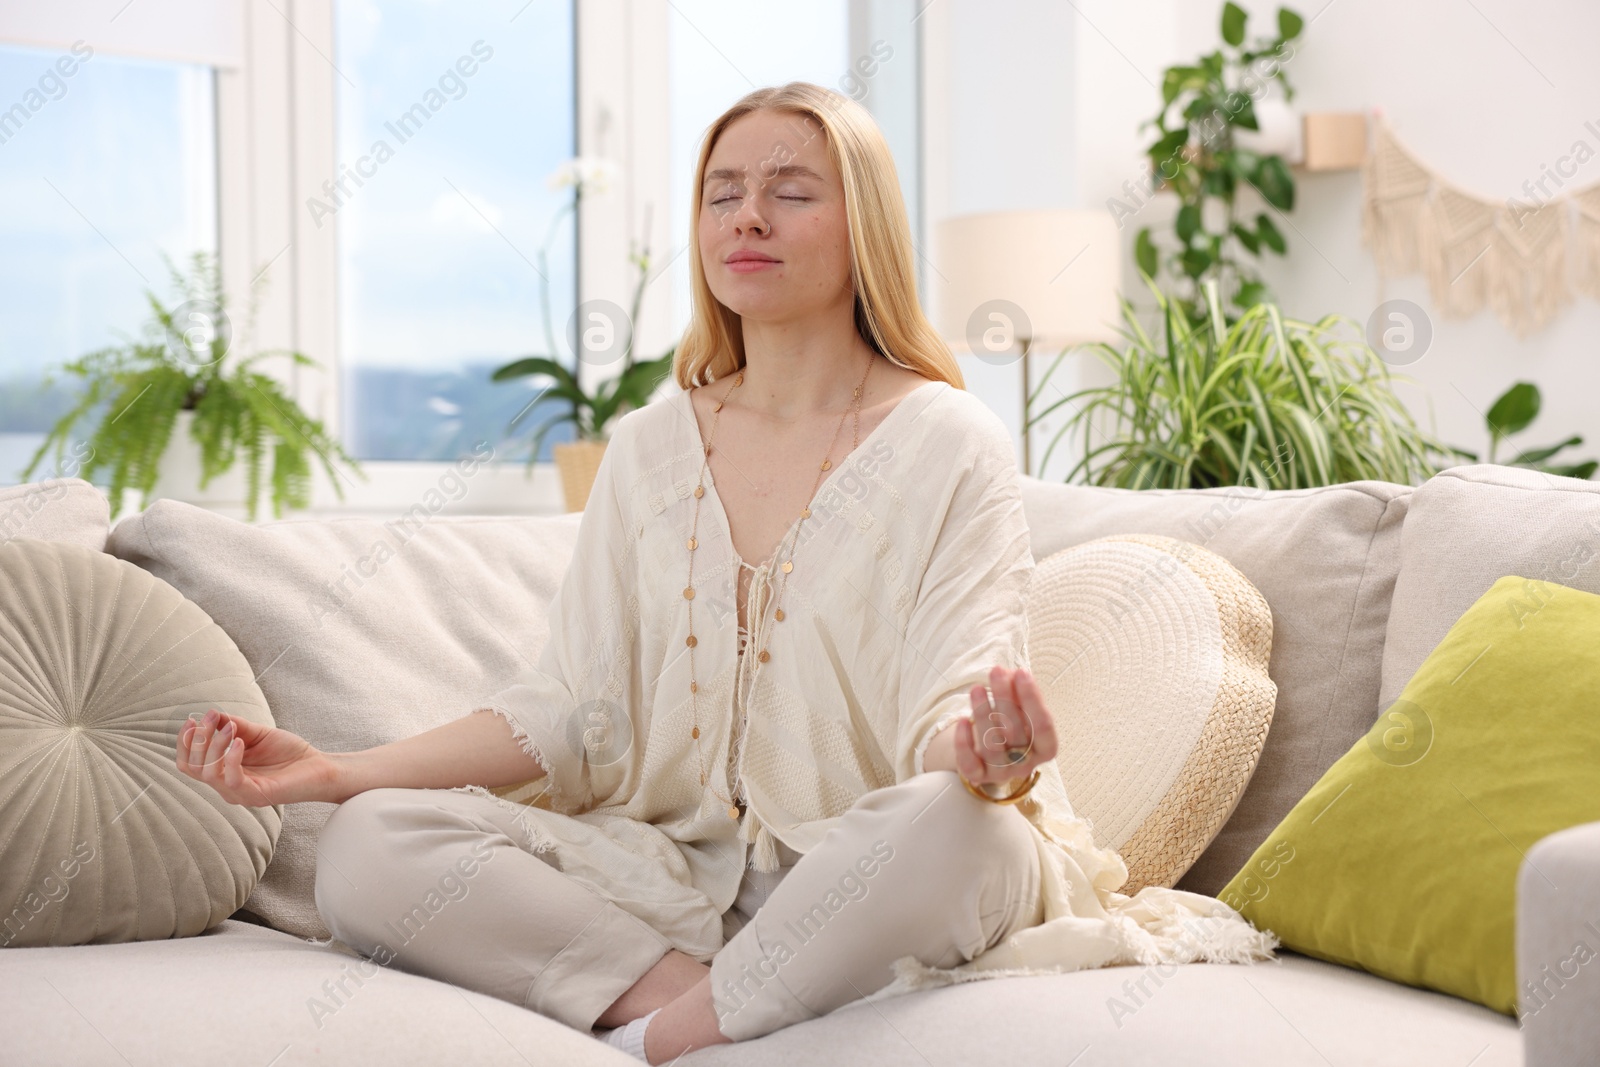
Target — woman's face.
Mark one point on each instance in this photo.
(770, 188)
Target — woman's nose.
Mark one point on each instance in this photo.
(748, 217)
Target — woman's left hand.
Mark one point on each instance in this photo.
(1014, 719)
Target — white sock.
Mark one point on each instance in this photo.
(630, 1037)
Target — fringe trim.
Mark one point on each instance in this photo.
(1197, 939)
(764, 856)
(920, 753)
(1453, 237)
(558, 798)
(1528, 267)
(1229, 940)
(536, 839)
(1393, 191)
(911, 975)
(1512, 258)
(1586, 241)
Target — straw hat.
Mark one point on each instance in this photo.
(1152, 654)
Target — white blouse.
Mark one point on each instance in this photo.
(909, 583)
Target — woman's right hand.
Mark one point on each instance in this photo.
(254, 765)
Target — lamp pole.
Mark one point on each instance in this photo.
(1027, 436)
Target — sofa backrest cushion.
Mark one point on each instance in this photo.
(1325, 559)
(1472, 525)
(61, 509)
(360, 631)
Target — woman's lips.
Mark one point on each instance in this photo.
(747, 266)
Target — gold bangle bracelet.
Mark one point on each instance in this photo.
(1011, 799)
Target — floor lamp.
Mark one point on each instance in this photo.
(1011, 282)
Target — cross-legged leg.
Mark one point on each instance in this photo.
(922, 868)
(441, 883)
(672, 976)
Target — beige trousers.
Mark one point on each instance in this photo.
(438, 882)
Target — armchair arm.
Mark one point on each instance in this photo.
(1558, 948)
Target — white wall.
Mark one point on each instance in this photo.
(1486, 93)
(999, 135)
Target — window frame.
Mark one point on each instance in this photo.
(188, 32)
(622, 115)
(275, 110)
(283, 107)
(277, 140)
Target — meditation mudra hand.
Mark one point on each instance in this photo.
(1008, 735)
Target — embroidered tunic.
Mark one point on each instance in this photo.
(909, 584)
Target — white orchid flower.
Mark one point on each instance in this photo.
(592, 174)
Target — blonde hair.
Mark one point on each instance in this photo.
(882, 263)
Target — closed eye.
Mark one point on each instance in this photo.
(802, 199)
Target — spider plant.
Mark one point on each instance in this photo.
(1262, 400)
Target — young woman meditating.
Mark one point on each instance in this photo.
(790, 752)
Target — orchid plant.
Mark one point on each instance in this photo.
(590, 412)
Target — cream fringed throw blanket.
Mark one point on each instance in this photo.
(909, 584)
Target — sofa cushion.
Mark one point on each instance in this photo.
(1470, 526)
(1295, 1011)
(1325, 560)
(1403, 859)
(1155, 650)
(61, 509)
(104, 838)
(299, 1002)
(361, 631)
(242, 993)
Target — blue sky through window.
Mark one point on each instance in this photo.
(101, 171)
(456, 117)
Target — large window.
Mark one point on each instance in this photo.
(106, 164)
(388, 162)
(450, 119)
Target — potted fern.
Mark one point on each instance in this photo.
(1259, 400)
(180, 380)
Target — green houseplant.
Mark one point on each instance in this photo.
(598, 324)
(1260, 400)
(1514, 412)
(184, 363)
(1195, 156)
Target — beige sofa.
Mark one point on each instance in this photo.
(362, 632)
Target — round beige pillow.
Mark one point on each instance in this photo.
(1152, 655)
(102, 838)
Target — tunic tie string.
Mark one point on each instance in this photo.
(752, 831)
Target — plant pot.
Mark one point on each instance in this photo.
(578, 462)
(179, 477)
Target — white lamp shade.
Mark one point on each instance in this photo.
(1051, 276)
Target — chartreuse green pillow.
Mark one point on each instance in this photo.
(1402, 860)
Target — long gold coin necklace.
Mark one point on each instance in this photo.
(788, 564)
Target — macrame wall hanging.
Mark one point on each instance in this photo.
(1522, 258)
